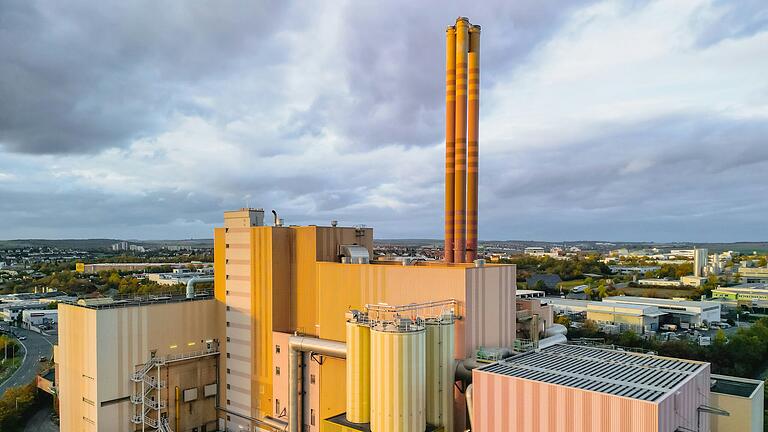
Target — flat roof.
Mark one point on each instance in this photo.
(144, 301)
(661, 301)
(632, 375)
(734, 386)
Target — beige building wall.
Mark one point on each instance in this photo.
(746, 413)
(99, 349)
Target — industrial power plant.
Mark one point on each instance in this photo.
(307, 332)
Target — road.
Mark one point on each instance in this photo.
(36, 345)
(41, 422)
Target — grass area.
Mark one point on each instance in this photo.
(8, 367)
(658, 292)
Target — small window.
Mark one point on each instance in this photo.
(312, 417)
(277, 370)
(228, 355)
(228, 308)
(227, 323)
(277, 349)
(228, 371)
(228, 339)
(228, 387)
(312, 378)
(228, 402)
(277, 407)
(227, 246)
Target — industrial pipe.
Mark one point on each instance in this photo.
(473, 149)
(298, 345)
(460, 155)
(450, 143)
(196, 280)
(468, 396)
(552, 340)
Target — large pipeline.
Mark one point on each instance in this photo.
(194, 281)
(297, 345)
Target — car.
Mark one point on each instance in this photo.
(22, 338)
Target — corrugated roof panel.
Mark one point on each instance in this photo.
(637, 376)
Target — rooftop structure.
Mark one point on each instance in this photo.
(590, 389)
(743, 399)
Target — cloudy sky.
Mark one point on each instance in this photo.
(599, 120)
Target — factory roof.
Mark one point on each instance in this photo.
(637, 376)
(662, 302)
(110, 303)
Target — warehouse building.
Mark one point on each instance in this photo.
(638, 318)
(696, 313)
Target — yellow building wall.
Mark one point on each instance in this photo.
(486, 301)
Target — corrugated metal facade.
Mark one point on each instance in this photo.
(398, 381)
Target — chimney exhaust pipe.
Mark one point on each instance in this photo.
(473, 149)
(450, 144)
(460, 157)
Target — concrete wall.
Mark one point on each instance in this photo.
(100, 349)
(746, 412)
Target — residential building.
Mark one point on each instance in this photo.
(694, 281)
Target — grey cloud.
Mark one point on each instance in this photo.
(83, 76)
(676, 177)
(730, 20)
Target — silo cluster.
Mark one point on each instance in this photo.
(400, 372)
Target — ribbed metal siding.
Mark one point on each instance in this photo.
(440, 371)
(358, 373)
(398, 381)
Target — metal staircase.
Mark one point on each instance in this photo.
(147, 399)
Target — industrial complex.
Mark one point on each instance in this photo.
(306, 331)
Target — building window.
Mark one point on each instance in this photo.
(312, 417)
(277, 370)
(228, 308)
(277, 349)
(227, 323)
(228, 402)
(227, 386)
(312, 378)
(227, 338)
(228, 370)
(228, 355)
(227, 246)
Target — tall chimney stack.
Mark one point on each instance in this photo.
(460, 157)
(462, 93)
(473, 109)
(450, 112)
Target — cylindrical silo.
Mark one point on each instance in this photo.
(440, 371)
(398, 378)
(358, 372)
